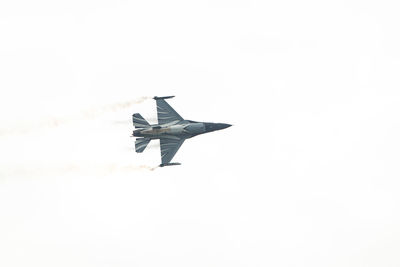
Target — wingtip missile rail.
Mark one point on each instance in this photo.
(162, 97)
(169, 164)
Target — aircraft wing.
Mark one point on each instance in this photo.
(165, 113)
(169, 147)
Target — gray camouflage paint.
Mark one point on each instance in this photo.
(172, 130)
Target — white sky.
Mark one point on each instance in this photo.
(307, 176)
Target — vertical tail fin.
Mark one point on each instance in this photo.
(141, 144)
(139, 121)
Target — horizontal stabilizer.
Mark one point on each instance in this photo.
(139, 121)
(141, 144)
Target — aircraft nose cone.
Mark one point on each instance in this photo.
(223, 126)
(211, 127)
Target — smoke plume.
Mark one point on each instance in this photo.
(10, 172)
(26, 127)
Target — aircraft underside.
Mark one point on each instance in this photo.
(172, 130)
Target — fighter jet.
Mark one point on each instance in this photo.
(172, 130)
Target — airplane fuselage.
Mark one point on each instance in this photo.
(184, 129)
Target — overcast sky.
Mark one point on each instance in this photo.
(307, 176)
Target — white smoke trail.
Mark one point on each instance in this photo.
(92, 113)
(42, 169)
(129, 122)
(26, 127)
(11, 172)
